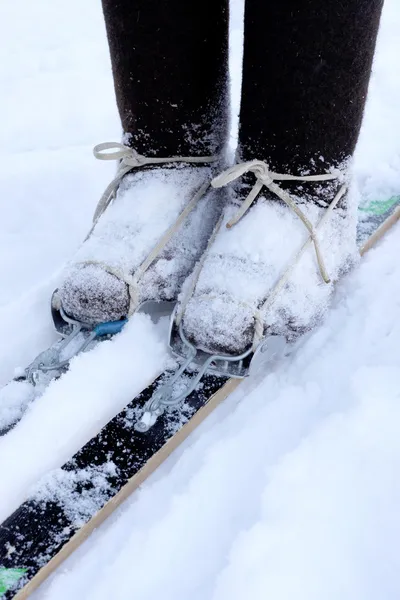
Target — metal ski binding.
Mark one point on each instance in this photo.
(76, 338)
(175, 390)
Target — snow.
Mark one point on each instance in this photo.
(291, 487)
(62, 420)
(14, 399)
(60, 486)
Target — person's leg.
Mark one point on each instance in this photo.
(306, 69)
(170, 66)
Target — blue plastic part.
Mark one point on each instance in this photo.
(109, 328)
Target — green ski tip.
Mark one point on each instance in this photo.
(9, 577)
(379, 207)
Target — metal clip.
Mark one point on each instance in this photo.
(170, 394)
(167, 397)
(52, 362)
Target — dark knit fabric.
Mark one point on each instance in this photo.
(306, 70)
(170, 65)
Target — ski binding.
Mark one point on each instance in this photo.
(176, 389)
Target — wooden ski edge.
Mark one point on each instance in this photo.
(158, 458)
(155, 461)
(381, 231)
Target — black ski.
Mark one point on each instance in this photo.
(69, 502)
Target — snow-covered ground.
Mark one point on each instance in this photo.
(291, 489)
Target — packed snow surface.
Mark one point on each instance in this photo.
(290, 490)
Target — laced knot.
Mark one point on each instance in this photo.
(267, 178)
(131, 159)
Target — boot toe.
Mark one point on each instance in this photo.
(219, 324)
(92, 295)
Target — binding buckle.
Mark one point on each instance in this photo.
(174, 391)
(76, 338)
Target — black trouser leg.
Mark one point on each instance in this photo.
(170, 66)
(306, 70)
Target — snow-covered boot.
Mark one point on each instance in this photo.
(289, 231)
(150, 227)
(271, 268)
(170, 69)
